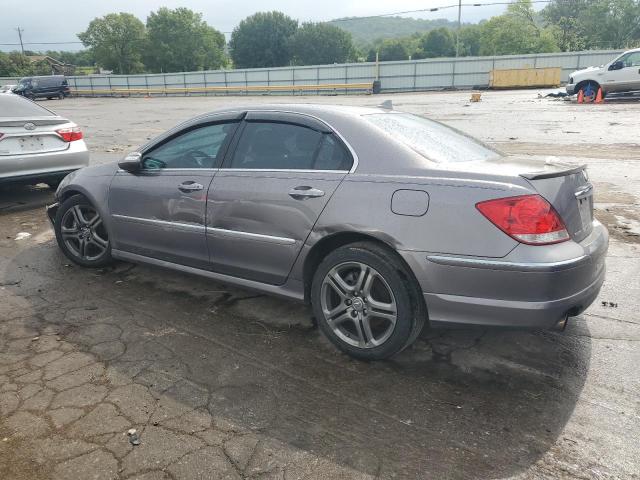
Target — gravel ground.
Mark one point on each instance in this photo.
(223, 383)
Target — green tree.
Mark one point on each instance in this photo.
(15, 64)
(438, 42)
(180, 41)
(321, 44)
(517, 31)
(393, 49)
(470, 38)
(595, 24)
(261, 40)
(117, 41)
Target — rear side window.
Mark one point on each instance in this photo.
(332, 155)
(276, 146)
(17, 106)
(284, 146)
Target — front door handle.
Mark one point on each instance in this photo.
(304, 191)
(190, 187)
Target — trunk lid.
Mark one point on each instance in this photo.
(570, 193)
(26, 136)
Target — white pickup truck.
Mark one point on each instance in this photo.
(620, 75)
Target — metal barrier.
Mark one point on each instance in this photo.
(402, 76)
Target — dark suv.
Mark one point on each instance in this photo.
(52, 86)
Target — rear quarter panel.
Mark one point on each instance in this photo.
(451, 224)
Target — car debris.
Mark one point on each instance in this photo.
(133, 437)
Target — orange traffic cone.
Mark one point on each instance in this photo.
(599, 96)
(580, 96)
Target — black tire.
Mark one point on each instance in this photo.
(68, 245)
(409, 307)
(60, 96)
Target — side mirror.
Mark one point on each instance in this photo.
(616, 65)
(131, 163)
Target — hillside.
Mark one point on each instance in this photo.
(366, 30)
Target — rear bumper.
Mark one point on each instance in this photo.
(516, 291)
(24, 168)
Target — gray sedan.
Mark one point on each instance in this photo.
(36, 145)
(381, 220)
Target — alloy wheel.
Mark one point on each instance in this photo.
(358, 304)
(83, 232)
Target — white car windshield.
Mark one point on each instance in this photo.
(432, 139)
(12, 106)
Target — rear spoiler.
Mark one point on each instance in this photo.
(554, 173)
(40, 121)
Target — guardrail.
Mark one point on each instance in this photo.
(366, 87)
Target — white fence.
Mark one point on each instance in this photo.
(401, 76)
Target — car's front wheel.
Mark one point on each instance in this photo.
(81, 233)
(366, 302)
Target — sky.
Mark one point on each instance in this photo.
(44, 21)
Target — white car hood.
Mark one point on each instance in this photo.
(587, 70)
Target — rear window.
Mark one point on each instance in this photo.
(17, 106)
(432, 139)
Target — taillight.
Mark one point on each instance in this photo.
(70, 134)
(528, 219)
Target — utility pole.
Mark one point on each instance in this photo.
(458, 30)
(20, 30)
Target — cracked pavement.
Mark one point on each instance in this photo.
(227, 384)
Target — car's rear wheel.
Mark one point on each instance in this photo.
(81, 233)
(366, 301)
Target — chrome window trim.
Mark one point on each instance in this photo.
(508, 266)
(157, 170)
(288, 170)
(251, 236)
(162, 223)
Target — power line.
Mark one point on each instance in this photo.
(458, 5)
(38, 43)
(432, 9)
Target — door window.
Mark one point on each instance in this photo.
(198, 148)
(332, 155)
(632, 60)
(276, 146)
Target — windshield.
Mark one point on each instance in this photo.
(432, 139)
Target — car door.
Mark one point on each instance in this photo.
(627, 76)
(273, 186)
(159, 211)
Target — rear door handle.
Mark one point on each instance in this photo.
(190, 186)
(304, 191)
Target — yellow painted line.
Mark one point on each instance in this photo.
(239, 88)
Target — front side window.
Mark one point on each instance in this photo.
(433, 140)
(198, 148)
(631, 59)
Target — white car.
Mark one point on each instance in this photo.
(36, 145)
(620, 75)
(7, 88)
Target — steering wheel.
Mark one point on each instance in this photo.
(196, 157)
